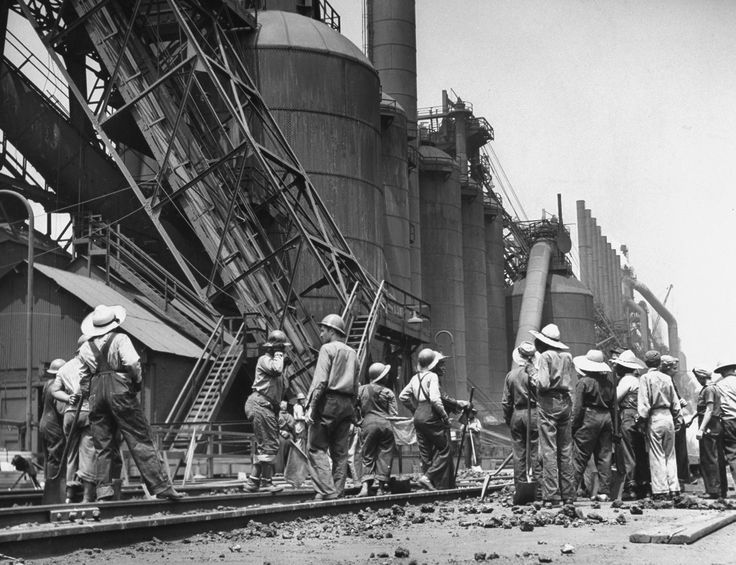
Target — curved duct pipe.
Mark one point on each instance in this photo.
(645, 323)
(532, 302)
(672, 334)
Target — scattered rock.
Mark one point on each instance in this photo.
(596, 505)
(617, 504)
(401, 552)
(545, 559)
(621, 519)
(426, 508)
(382, 555)
(492, 556)
(595, 517)
(567, 549)
(479, 556)
(526, 524)
(635, 509)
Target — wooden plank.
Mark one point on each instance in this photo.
(696, 530)
(685, 532)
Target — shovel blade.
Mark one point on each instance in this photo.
(526, 492)
(54, 491)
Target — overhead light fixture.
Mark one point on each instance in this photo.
(415, 318)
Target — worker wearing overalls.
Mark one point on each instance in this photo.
(515, 403)
(592, 419)
(262, 409)
(51, 424)
(113, 378)
(633, 460)
(377, 403)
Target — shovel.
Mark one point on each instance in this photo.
(487, 480)
(462, 438)
(526, 491)
(54, 489)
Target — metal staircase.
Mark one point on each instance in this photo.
(362, 327)
(175, 67)
(212, 376)
(159, 290)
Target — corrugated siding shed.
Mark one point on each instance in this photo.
(140, 323)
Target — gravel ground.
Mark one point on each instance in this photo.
(445, 532)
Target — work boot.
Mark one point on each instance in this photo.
(170, 493)
(425, 483)
(70, 494)
(382, 489)
(253, 482)
(267, 479)
(365, 489)
(90, 491)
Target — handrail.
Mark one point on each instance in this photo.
(218, 375)
(370, 326)
(349, 303)
(191, 384)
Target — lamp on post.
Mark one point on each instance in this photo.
(415, 318)
(29, 318)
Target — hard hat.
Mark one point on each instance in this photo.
(277, 337)
(428, 358)
(378, 371)
(335, 322)
(55, 365)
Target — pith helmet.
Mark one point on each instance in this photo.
(629, 360)
(277, 337)
(377, 371)
(55, 365)
(592, 362)
(335, 322)
(550, 335)
(425, 358)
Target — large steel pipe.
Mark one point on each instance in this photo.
(672, 334)
(532, 302)
(584, 250)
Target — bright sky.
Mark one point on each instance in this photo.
(628, 105)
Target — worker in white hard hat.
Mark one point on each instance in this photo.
(262, 410)
(377, 402)
(331, 409)
(424, 397)
(51, 423)
(300, 426)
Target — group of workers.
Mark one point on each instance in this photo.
(564, 410)
(620, 410)
(90, 403)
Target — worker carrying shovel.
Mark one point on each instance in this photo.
(519, 404)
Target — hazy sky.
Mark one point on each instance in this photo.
(629, 105)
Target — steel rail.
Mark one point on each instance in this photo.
(180, 519)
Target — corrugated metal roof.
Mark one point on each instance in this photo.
(139, 322)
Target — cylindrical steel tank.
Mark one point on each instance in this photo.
(392, 48)
(442, 256)
(476, 305)
(498, 348)
(395, 176)
(567, 303)
(324, 94)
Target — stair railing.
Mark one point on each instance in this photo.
(370, 326)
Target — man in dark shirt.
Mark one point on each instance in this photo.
(592, 419)
(712, 457)
(516, 398)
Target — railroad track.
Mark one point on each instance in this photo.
(43, 531)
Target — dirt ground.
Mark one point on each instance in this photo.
(445, 532)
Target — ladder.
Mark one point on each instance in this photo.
(362, 327)
(209, 382)
(224, 164)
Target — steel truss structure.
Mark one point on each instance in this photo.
(177, 69)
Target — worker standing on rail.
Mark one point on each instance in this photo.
(300, 426)
(553, 375)
(51, 424)
(709, 435)
(81, 457)
(633, 459)
(424, 397)
(517, 395)
(593, 414)
(112, 379)
(659, 412)
(377, 402)
(331, 409)
(727, 387)
(262, 411)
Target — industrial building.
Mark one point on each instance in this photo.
(231, 167)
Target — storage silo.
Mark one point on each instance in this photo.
(395, 176)
(498, 343)
(476, 305)
(325, 96)
(442, 259)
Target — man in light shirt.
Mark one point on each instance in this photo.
(727, 387)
